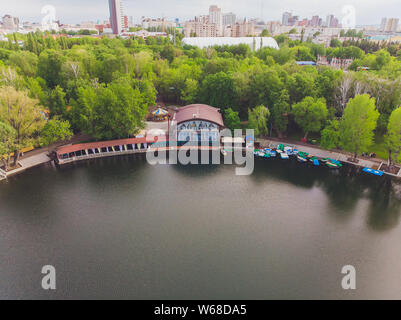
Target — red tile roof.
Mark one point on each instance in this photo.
(111, 143)
(199, 112)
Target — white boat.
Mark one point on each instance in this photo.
(284, 155)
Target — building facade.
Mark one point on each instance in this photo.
(200, 29)
(198, 123)
(160, 24)
(216, 18)
(229, 19)
(116, 16)
(10, 23)
(389, 25)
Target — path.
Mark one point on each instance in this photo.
(39, 156)
(321, 153)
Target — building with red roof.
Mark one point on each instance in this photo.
(198, 122)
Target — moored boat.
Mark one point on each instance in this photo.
(314, 160)
(374, 172)
(334, 164)
(302, 156)
(284, 156)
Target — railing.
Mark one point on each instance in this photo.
(100, 155)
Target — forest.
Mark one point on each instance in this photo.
(53, 86)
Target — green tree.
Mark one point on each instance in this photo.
(280, 113)
(393, 136)
(7, 143)
(231, 119)
(56, 101)
(358, 124)
(55, 130)
(49, 67)
(331, 135)
(25, 62)
(310, 114)
(258, 120)
(115, 111)
(190, 92)
(218, 91)
(24, 115)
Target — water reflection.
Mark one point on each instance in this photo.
(344, 188)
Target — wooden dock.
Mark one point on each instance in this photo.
(26, 163)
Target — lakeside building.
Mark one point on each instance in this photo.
(195, 123)
(198, 123)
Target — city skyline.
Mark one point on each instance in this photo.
(76, 11)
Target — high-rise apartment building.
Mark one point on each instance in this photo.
(389, 25)
(10, 23)
(116, 16)
(229, 19)
(287, 16)
(216, 17)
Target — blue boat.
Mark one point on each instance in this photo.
(371, 171)
(273, 153)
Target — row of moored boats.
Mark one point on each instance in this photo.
(285, 152)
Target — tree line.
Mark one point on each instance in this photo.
(103, 87)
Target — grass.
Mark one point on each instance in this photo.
(379, 148)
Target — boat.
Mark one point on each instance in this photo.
(273, 153)
(372, 171)
(292, 152)
(324, 160)
(302, 156)
(314, 160)
(284, 156)
(289, 151)
(334, 164)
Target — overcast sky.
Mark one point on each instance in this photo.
(75, 11)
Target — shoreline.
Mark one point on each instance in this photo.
(373, 163)
(40, 158)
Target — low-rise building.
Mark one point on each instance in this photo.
(335, 63)
(160, 24)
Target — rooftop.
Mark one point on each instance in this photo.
(199, 112)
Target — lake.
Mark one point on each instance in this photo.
(121, 228)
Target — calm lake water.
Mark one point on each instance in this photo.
(120, 228)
